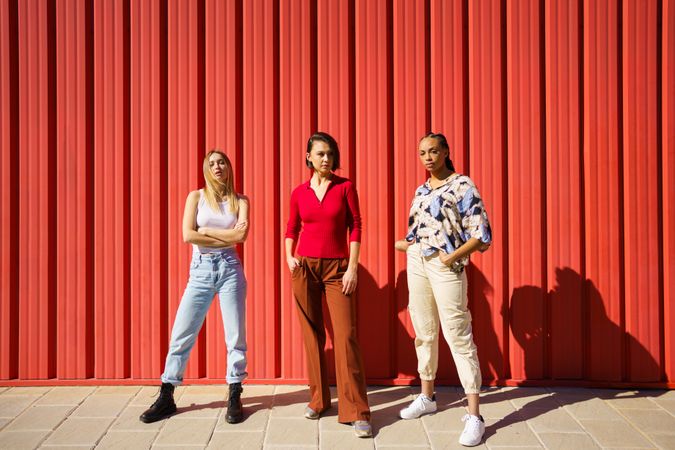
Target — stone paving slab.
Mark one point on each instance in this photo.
(509, 434)
(556, 418)
(591, 408)
(186, 432)
(66, 396)
(344, 440)
(102, 405)
(666, 403)
(39, 418)
(127, 440)
(237, 440)
(293, 431)
(399, 432)
(78, 431)
(22, 439)
(12, 404)
(128, 420)
(663, 440)
(448, 440)
(550, 421)
(29, 390)
(613, 433)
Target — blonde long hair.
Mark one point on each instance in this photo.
(216, 191)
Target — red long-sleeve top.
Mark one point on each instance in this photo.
(325, 223)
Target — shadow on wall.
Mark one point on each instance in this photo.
(375, 313)
(490, 351)
(575, 306)
(553, 329)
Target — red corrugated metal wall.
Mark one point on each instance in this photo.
(562, 111)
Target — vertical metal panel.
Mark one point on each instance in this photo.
(9, 162)
(74, 208)
(261, 182)
(527, 313)
(111, 163)
(564, 210)
(373, 175)
(411, 121)
(487, 153)
(640, 179)
(223, 109)
(37, 199)
(148, 188)
(449, 76)
(335, 76)
(6, 193)
(602, 190)
(297, 118)
(184, 155)
(668, 187)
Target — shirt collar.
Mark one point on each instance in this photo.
(427, 184)
(333, 180)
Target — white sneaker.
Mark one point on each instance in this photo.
(420, 406)
(474, 427)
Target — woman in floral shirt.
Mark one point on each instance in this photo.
(447, 223)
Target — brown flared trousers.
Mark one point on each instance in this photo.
(315, 277)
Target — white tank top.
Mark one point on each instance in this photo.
(207, 217)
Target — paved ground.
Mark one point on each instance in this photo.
(107, 417)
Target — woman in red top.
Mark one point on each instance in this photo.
(327, 208)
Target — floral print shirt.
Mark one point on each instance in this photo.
(446, 217)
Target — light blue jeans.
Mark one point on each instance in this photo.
(210, 273)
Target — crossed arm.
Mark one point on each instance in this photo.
(213, 237)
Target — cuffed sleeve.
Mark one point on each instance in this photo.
(294, 222)
(353, 213)
(474, 217)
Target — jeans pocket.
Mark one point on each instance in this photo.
(232, 279)
(232, 260)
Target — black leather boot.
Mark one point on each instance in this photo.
(163, 407)
(235, 414)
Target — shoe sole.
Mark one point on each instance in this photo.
(413, 418)
(314, 416)
(233, 420)
(364, 434)
(472, 445)
(157, 420)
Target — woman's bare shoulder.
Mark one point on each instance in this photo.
(193, 196)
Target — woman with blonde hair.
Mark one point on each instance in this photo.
(214, 221)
